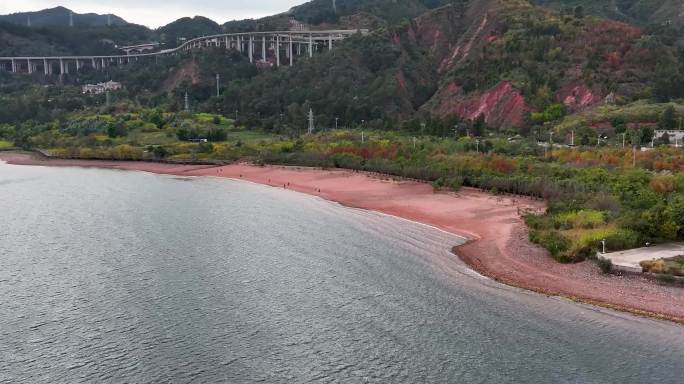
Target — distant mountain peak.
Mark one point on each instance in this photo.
(61, 16)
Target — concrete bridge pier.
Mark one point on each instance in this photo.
(14, 66)
(263, 48)
(310, 45)
(290, 53)
(78, 65)
(251, 48)
(29, 66)
(46, 68)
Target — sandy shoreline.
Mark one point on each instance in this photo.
(499, 247)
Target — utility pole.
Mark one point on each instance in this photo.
(414, 143)
(311, 121)
(187, 104)
(236, 115)
(551, 144)
(363, 137)
(634, 157)
(336, 120)
(477, 145)
(107, 98)
(218, 83)
(572, 140)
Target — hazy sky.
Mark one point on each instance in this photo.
(154, 13)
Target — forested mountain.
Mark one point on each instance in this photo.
(61, 17)
(508, 63)
(18, 40)
(321, 11)
(642, 12)
(188, 27)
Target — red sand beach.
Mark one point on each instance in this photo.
(499, 247)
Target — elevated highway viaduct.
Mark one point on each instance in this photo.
(271, 48)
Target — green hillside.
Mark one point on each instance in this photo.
(642, 12)
(321, 11)
(188, 27)
(61, 17)
(514, 65)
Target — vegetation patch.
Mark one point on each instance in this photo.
(671, 266)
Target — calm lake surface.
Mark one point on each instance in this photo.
(114, 276)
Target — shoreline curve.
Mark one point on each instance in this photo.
(497, 245)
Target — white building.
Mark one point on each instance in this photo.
(675, 137)
(97, 89)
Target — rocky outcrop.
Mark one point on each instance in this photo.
(502, 106)
(577, 96)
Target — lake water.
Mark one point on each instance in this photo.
(114, 276)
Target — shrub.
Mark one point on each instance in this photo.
(673, 266)
(454, 183)
(554, 242)
(348, 161)
(623, 239)
(606, 265)
(585, 219)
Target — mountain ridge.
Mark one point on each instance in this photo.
(61, 16)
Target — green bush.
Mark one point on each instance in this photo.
(554, 242)
(584, 219)
(623, 239)
(605, 264)
(348, 161)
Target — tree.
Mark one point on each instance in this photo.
(479, 125)
(619, 123)
(665, 139)
(586, 135)
(667, 119)
(116, 129)
(579, 12)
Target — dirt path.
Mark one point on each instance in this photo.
(499, 247)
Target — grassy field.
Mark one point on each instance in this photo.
(5, 144)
